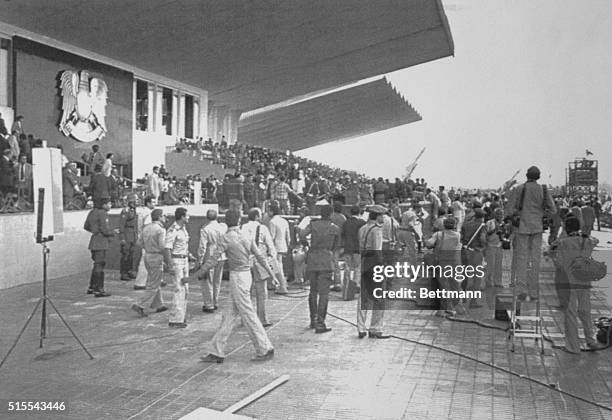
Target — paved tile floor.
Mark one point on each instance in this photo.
(144, 370)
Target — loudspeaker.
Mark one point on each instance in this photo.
(47, 174)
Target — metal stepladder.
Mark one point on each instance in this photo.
(532, 326)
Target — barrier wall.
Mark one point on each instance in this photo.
(22, 256)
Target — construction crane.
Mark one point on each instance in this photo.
(410, 168)
(509, 183)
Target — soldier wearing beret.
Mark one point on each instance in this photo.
(324, 248)
(98, 225)
(128, 235)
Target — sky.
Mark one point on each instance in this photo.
(530, 84)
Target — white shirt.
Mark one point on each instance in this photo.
(210, 237)
(107, 167)
(279, 229)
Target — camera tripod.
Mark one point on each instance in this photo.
(43, 300)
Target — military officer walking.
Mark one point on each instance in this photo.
(371, 245)
(98, 225)
(153, 240)
(176, 254)
(324, 247)
(128, 236)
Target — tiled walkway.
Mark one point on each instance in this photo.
(144, 369)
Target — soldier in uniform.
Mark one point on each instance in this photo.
(98, 225)
(128, 236)
(153, 240)
(325, 244)
(371, 245)
(210, 238)
(176, 254)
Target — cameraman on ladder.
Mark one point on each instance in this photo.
(527, 205)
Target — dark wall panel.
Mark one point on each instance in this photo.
(38, 98)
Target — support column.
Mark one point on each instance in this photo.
(159, 99)
(233, 119)
(212, 121)
(196, 119)
(181, 115)
(175, 116)
(150, 107)
(133, 106)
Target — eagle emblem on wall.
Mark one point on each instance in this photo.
(84, 106)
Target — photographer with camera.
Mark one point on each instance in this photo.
(573, 289)
(527, 207)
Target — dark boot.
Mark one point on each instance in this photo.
(312, 304)
(322, 308)
(100, 290)
(92, 283)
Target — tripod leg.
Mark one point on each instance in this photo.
(43, 322)
(21, 332)
(69, 329)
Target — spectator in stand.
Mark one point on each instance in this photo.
(70, 182)
(444, 199)
(24, 178)
(249, 191)
(380, 191)
(94, 158)
(3, 130)
(7, 173)
(107, 167)
(172, 197)
(24, 147)
(164, 185)
(17, 126)
(154, 184)
(99, 185)
(14, 145)
(116, 188)
(280, 193)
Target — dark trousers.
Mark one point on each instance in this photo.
(320, 282)
(130, 257)
(96, 281)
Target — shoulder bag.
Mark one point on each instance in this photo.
(587, 269)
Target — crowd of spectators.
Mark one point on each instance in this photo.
(259, 175)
